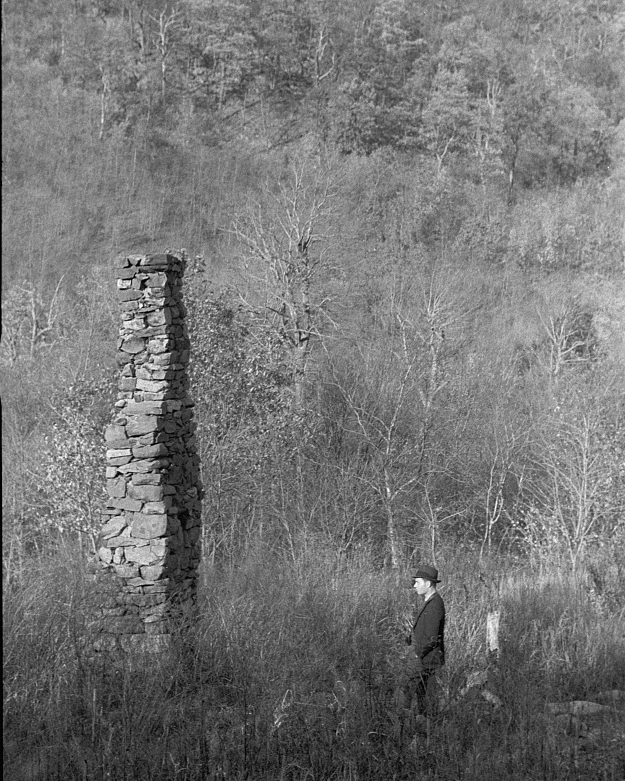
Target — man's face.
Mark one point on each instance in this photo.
(421, 586)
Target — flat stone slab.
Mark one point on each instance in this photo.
(114, 432)
(576, 708)
(150, 451)
(113, 527)
(149, 526)
(145, 407)
(146, 493)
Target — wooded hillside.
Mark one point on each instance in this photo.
(405, 225)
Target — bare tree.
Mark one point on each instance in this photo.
(29, 322)
(284, 244)
(504, 468)
(392, 398)
(378, 399)
(568, 336)
(167, 25)
(574, 491)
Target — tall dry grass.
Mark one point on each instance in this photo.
(290, 673)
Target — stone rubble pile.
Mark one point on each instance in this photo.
(149, 544)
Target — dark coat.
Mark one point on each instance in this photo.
(428, 633)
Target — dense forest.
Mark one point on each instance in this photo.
(404, 222)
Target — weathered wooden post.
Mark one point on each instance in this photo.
(149, 546)
(492, 635)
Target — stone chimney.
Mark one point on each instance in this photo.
(149, 545)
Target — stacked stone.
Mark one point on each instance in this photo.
(148, 548)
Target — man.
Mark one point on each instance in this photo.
(427, 641)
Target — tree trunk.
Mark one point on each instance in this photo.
(392, 534)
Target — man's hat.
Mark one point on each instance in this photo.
(427, 573)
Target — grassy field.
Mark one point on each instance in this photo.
(291, 670)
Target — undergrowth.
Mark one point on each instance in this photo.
(291, 669)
